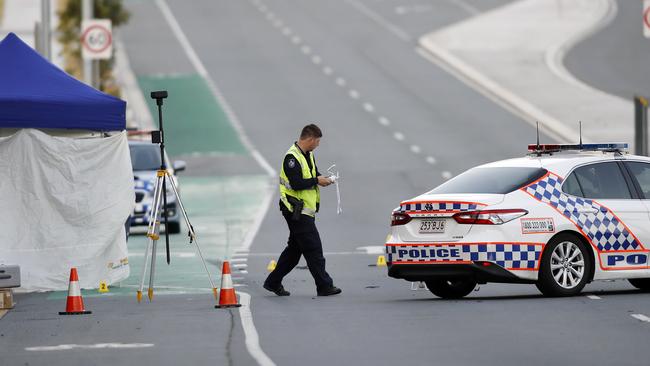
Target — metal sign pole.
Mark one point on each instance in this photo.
(87, 14)
(640, 126)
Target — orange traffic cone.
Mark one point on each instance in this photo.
(75, 304)
(227, 295)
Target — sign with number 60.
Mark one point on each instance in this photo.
(96, 39)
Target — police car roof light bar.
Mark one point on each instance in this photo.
(551, 148)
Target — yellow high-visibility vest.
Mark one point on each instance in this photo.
(311, 196)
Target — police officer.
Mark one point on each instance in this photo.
(299, 202)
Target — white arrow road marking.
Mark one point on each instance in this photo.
(65, 347)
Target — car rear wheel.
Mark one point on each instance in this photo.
(451, 289)
(173, 227)
(641, 283)
(565, 267)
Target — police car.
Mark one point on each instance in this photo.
(559, 218)
(145, 159)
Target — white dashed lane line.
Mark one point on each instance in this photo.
(594, 297)
(328, 71)
(641, 317)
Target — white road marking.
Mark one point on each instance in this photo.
(201, 70)
(250, 332)
(403, 10)
(373, 249)
(186, 255)
(305, 49)
(384, 121)
(398, 136)
(431, 160)
(296, 40)
(286, 31)
(594, 297)
(397, 31)
(415, 149)
(238, 260)
(270, 16)
(340, 82)
(368, 107)
(465, 6)
(278, 23)
(447, 175)
(243, 271)
(354, 94)
(66, 347)
(495, 92)
(641, 317)
(316, 60)
(240, 265)
(327, 70)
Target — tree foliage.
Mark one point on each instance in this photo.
(70, 34)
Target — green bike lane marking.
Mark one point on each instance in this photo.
(221, 208)
(193, 120)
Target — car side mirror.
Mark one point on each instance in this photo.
(179, 166)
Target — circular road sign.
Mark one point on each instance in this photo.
(96, 38)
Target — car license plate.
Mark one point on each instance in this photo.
(433, 226)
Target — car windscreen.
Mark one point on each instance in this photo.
(145, 157)
(493, 180)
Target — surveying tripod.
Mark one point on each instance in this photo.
(160, 204)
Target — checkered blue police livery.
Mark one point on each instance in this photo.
(146, 185)
(603, 228)
(439, 206)
(509, 256)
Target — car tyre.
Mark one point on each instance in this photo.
(640, 283)
(173, 227)
(451, 288)
(565, 266)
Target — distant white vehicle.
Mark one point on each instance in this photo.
(560, 217)
(145, 159)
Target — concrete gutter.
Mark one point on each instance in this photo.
(514, 55)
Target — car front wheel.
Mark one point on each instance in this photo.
(451, 289)
(565, 267)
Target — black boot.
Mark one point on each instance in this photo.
(329, 291)
(280, 291)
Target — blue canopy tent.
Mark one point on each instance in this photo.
(36, 94)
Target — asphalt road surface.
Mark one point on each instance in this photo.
(396, 126)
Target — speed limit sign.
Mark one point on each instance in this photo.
(96, 39)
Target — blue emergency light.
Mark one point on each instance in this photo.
(551, 148)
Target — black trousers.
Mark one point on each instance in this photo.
(303, 240)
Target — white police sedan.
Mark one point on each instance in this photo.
(558, 218)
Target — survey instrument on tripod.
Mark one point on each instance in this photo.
(159, 207)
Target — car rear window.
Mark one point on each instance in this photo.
(145, 157)
(494, 180)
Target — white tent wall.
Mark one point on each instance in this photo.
(64, 202)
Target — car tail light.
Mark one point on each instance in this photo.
(489, 217)
(399, 218)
